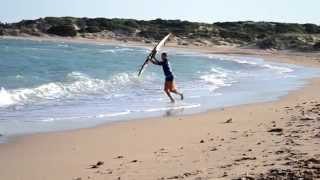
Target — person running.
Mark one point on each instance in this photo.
(169, 85)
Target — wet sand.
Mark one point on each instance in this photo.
(279, 138)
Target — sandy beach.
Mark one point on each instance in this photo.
(273, 139)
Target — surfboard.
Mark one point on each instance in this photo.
(153, 53)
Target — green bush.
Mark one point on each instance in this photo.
(311, 28)
(268, 43)
(263, 34)
(93, 29)
(153, 33)
(236, 35)
(63, 30)
(316, 46)
(288, 28)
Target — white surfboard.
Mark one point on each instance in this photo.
(153, 53)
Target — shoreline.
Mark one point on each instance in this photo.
(147, 159)
(220, 50)
(18, 137)
(308, 59)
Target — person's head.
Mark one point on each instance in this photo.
(164, 56)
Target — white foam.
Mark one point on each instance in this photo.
(52, 119)
(107, 51)
(76, 84)
(19, 76)
(217, 78)
(105, 115)
(172, 108)
(213, 79)
(255, 62)
(6, 98)
(117, 49)
(48, 120)
(240, 60)
(63, 45)
(219, 72)
(113, 114)
(279, 69)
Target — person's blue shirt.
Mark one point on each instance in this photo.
(166, 68)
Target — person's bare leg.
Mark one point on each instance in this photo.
(169, 95)
(176, 92)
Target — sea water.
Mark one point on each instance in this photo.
(52, 86)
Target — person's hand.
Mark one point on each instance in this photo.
(150, 61)
(154, 51)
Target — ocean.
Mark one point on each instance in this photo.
(53, 86)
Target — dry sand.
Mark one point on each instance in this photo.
(233, 142)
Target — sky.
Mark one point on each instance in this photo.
(294, 11)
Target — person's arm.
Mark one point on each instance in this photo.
(155, 61)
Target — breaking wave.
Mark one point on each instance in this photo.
(253, 62)
(75, 84)
(124, 49)
(217, 78)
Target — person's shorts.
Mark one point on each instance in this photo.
(169, 85)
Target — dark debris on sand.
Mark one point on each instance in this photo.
(301, 170)
(97, 165)
(134, 161)
(245, 159)
(298, 165)
(184, 175)
(276, 130)
(228, 121)
(119, 157)
(275, 174)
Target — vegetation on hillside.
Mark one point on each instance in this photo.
(246, 33)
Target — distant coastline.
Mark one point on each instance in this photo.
(261, 35)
